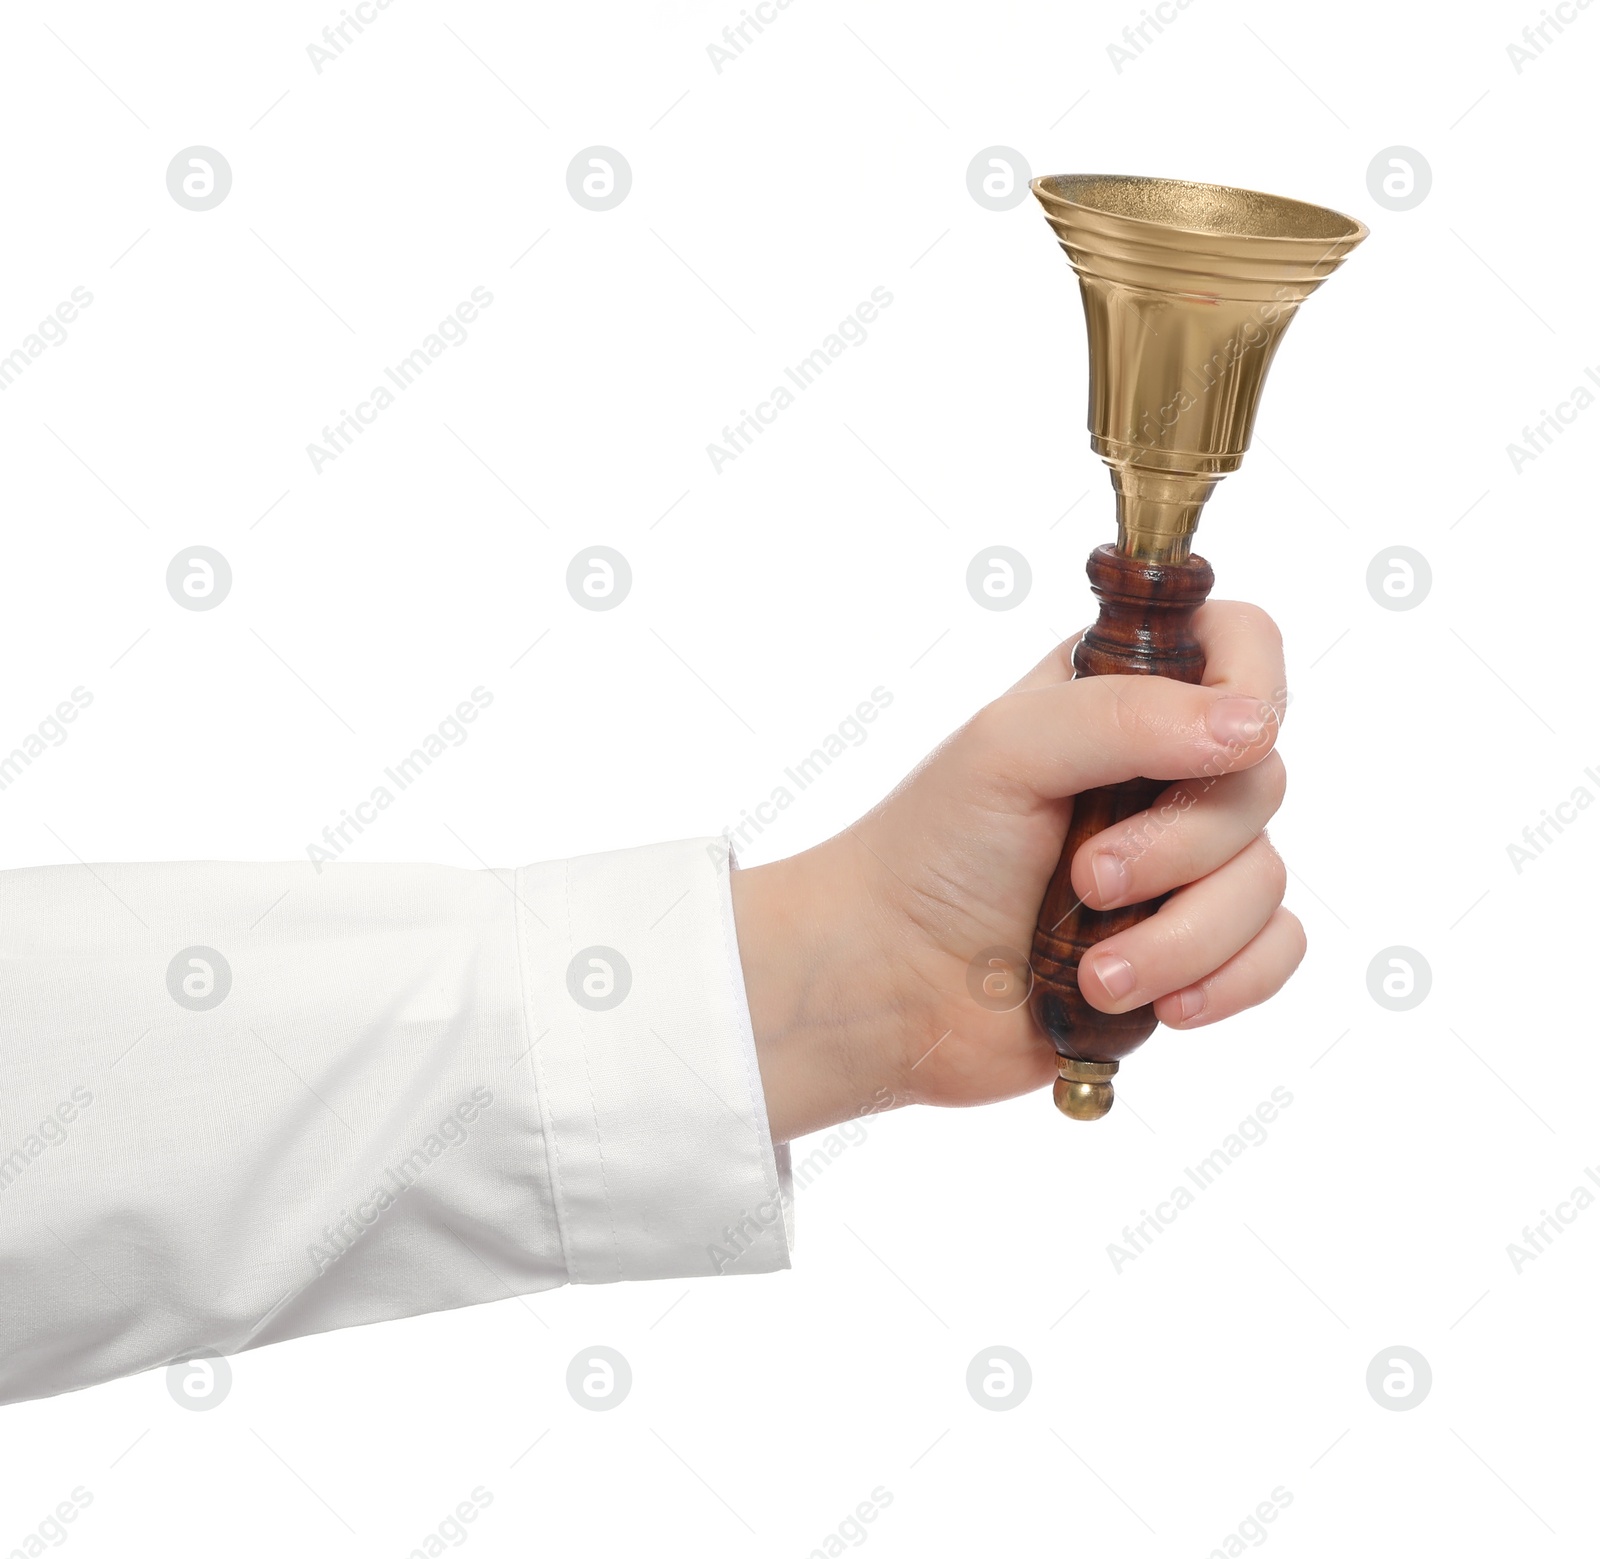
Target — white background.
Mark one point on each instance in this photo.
(768, 200)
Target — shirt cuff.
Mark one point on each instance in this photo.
(654, 1122)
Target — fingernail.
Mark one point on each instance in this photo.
(1191, 1002)
(1116, 974)
(1236, 721)
(1110, 876)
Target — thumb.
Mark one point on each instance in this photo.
(1056, 741)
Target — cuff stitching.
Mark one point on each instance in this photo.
(739, 1004)
(552, 1147)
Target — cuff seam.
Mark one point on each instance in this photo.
(552, 1149)
(739, 999)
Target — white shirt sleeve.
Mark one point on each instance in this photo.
(242, 1103)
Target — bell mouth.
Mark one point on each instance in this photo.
(1212, 210)
(1206, 241)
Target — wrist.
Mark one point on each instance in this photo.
(821, 1004)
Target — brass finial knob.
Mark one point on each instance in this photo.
(1083, 1090)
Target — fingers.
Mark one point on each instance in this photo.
(1223, 942)
(1198, 930)
(1259, 970)
(1192, 829)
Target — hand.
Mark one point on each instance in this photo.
(856, 953)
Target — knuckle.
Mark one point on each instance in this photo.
(1183, 937)
(990, 728)
(1260, 624)
(1136, 838)
(1297, 936)
(1123, 709)
(1273, 867)
(1272, 776)
(1297, 940)
(1264, 634)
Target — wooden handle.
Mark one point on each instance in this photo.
(1145, 628)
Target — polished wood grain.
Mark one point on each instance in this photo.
(1145, 628)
